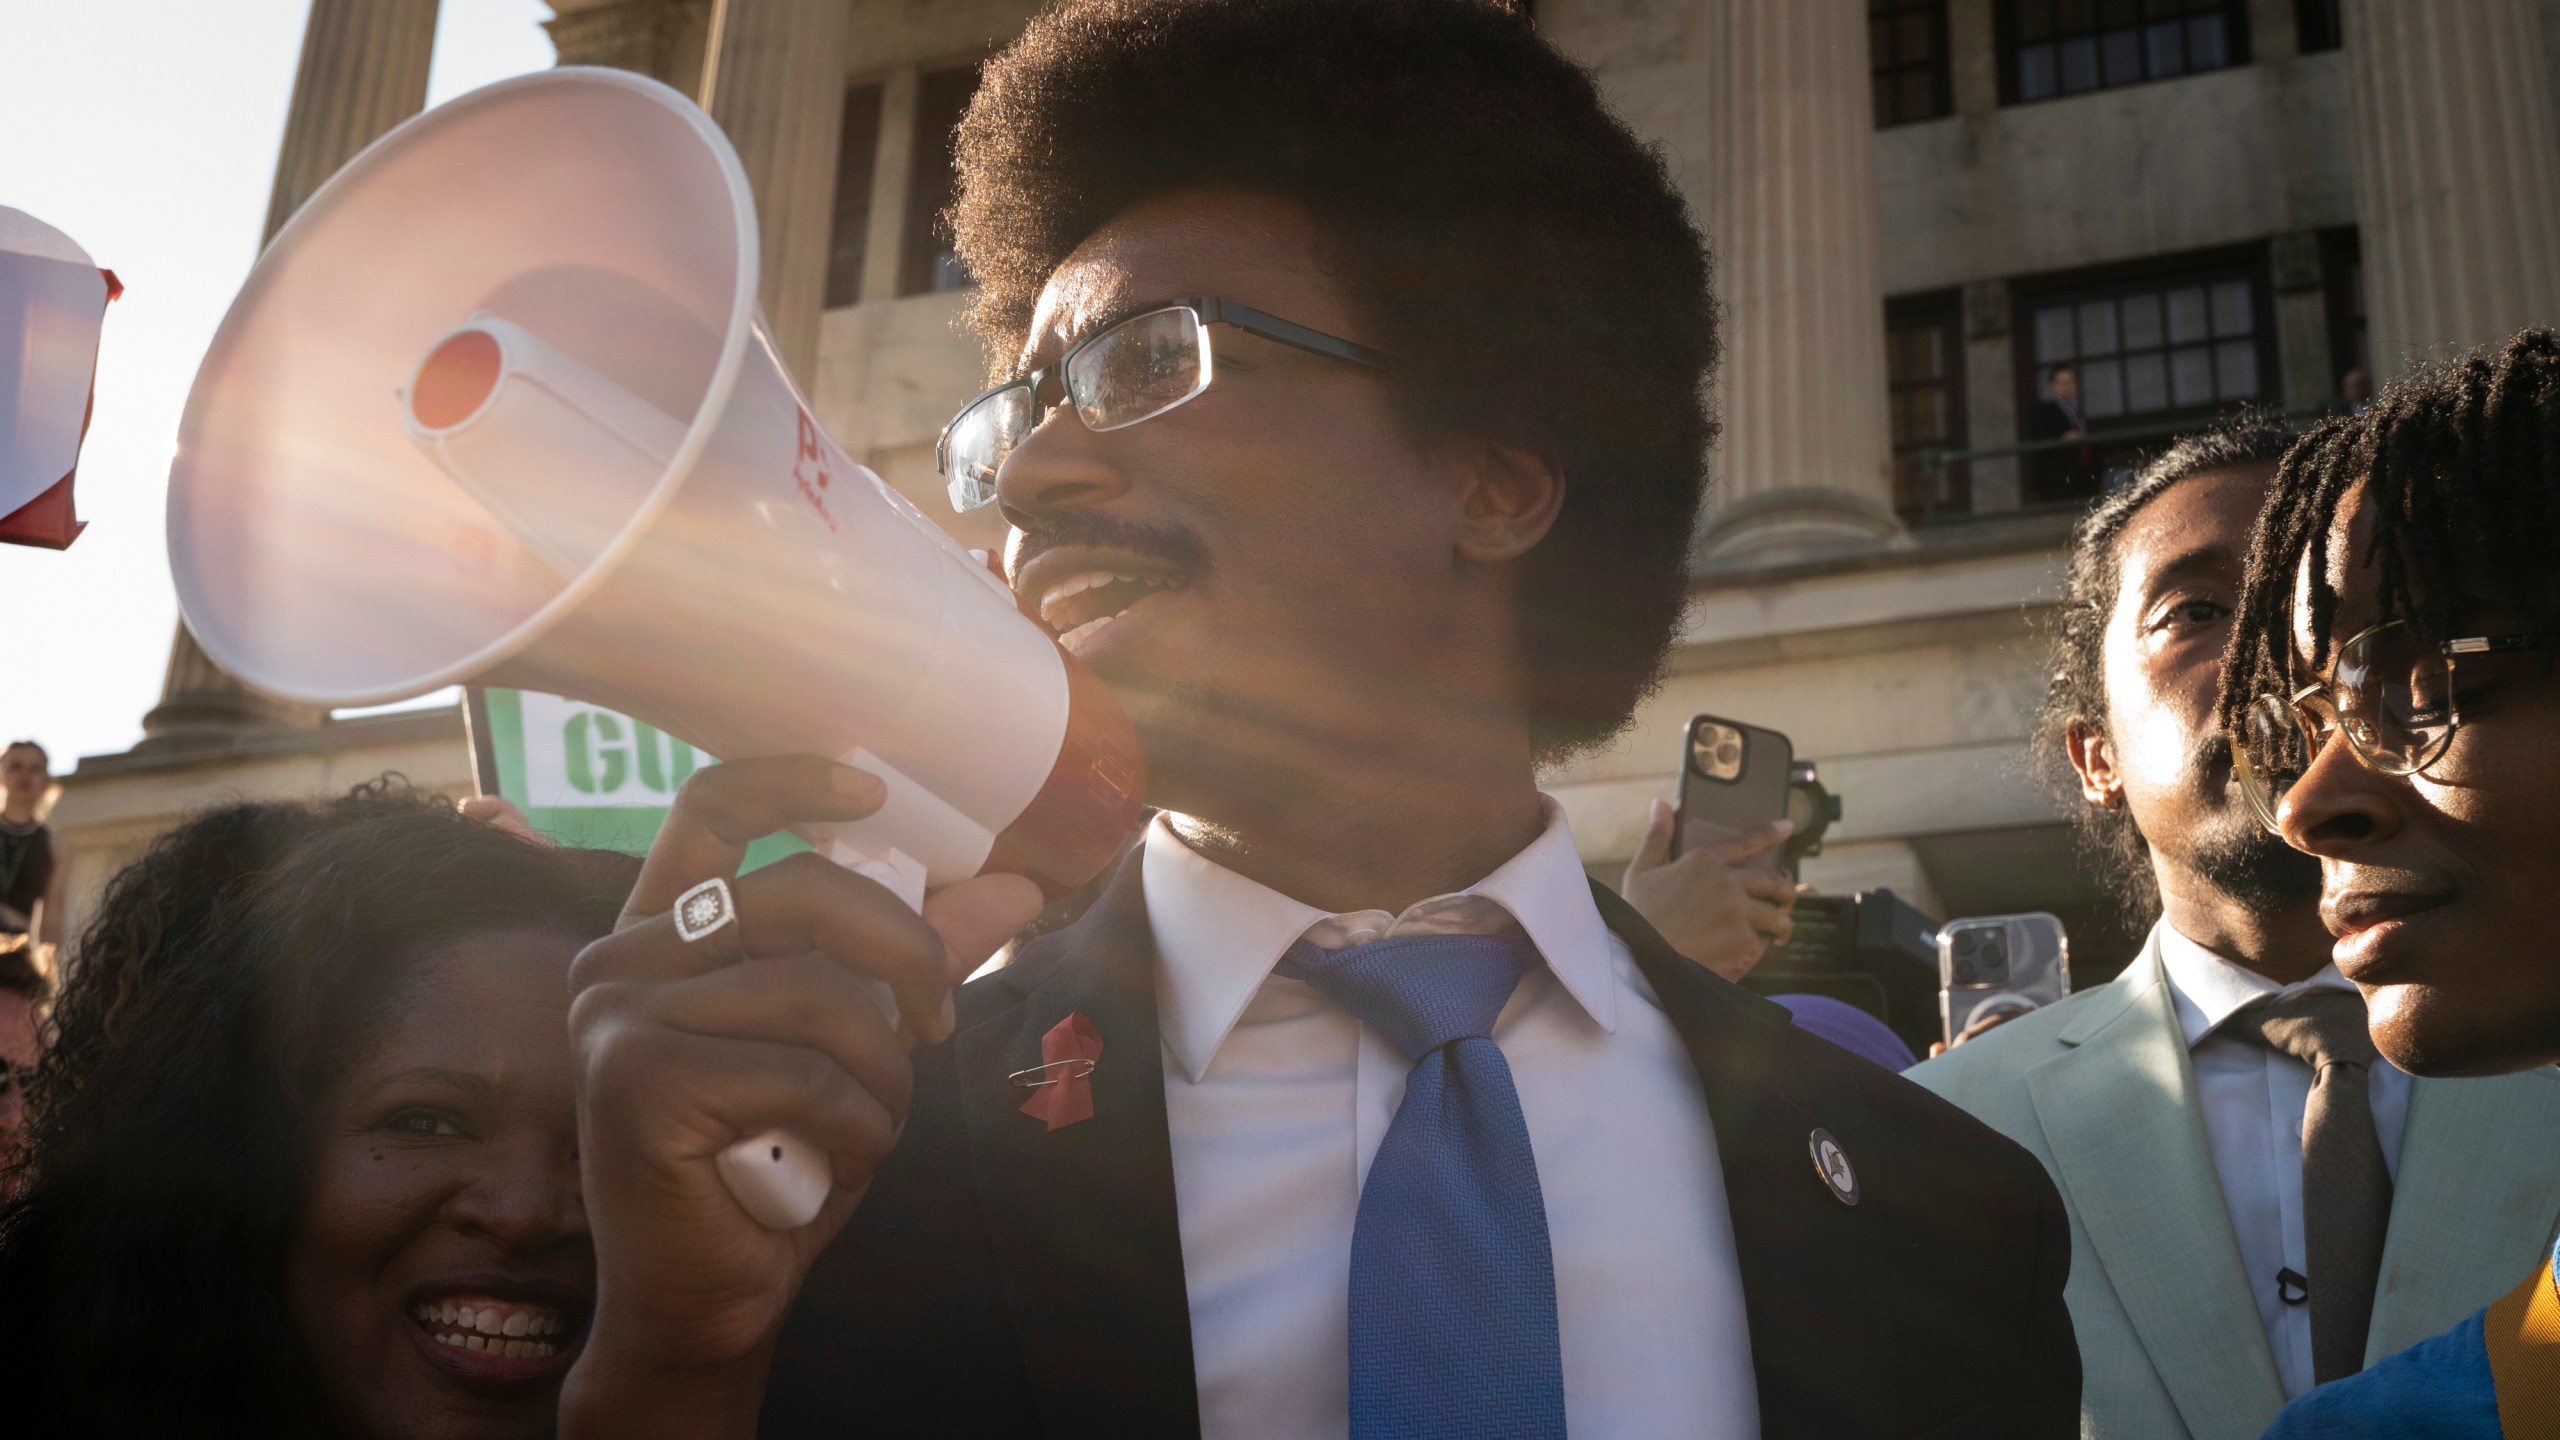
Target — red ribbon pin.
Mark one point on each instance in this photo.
(1061, 1090)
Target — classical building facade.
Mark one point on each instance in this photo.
(1919, 208)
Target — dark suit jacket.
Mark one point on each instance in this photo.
(2067, 473)
(1004, 1279)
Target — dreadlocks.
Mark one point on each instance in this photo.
(2077, 690)
(2460, 468)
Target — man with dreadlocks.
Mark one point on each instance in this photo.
(2157, 1101)
(2391, 687)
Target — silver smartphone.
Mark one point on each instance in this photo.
(1995, 965)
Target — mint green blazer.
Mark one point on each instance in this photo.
(2101, 1089)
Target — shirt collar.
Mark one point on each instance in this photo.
(1219, 934)
(2207, 989)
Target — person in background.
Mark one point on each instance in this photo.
(1710, 902)
(2065, 472)
(22, 995)
(2355, 391)
(32, 875)
(304, 1161)
(2220, 1266)
(2394, 681)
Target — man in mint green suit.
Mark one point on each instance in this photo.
(2179, 1106)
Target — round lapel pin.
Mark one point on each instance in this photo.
(1833, 1166)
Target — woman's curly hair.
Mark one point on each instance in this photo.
(1521, 254)
(2459, 464)
(229, 975)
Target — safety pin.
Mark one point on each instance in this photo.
(1023, 1079)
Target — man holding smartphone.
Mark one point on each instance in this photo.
(1347, 413)
(2259, 1202)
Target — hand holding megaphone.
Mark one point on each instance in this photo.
(496, 407)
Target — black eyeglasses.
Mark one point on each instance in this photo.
(1132, 371)
(2390, 695)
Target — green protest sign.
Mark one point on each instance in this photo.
(585, 775)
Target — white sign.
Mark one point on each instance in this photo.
(578, 755)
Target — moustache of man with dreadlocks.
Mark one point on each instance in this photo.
(2392, 688)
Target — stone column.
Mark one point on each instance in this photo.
(363, 70)
(662, 39)
(2457, 172)
(777, 88)
(1805, 460)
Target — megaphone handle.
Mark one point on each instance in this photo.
(779, 1179)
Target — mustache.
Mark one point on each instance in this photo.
(1175, 545)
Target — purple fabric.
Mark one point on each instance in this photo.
(1850, 1028)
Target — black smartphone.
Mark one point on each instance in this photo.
(1733, 780)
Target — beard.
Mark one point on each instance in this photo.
(2238, 856)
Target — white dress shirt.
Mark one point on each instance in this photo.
(2252, 1098)
(1277, 1101)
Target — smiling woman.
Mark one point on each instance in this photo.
(302, 1155)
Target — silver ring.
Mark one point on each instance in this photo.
(706, 918)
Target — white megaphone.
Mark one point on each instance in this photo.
(496, 406)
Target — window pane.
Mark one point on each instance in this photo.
(1918, 95)
(2141, 320)
(2112, 13)
(2070, 15)
(1884, 100)
(2035, 19)
(2166, 54)
(2122, 52)
(1911, 42)
(2098, 328)
(2053, 334)
(2208, 43)
(2159, 8)
(2231, 310)
(857, 154)
(2102, 389)
(2036, 77)
(2146, 382)
(2236, 363)
(2186, 315)
(2191, 376)
(2079, 65)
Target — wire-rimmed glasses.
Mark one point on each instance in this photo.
(1130, 371)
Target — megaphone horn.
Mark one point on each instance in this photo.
(496, 407)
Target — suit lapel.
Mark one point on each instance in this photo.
(2473, 1204)
(1806, 1259)
(2119, 1113)
(1081, 1219)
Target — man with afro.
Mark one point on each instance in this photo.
(1347, 372)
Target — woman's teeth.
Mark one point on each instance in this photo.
(495, 1327)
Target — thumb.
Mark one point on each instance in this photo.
(1743, 847)
(977, 915)
(1656, 847)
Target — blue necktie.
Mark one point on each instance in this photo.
(1453, 1290)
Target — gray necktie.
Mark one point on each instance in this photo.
(2346, 1188)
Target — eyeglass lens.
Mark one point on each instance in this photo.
(1134, 371)
(2392, 697)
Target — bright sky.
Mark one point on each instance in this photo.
(147, 131)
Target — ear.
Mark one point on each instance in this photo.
(2093, 759)
(1508, 499)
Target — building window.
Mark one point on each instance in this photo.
(2052, 48)
(2342, 280)
(2151, 349)
(926, 262)
(857, 158)
(2316, 26)
(1924, 377)
(1907, 57)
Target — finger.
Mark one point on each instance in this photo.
(722, 809)
(1767, 886)
(806, 1000)
(1655, 849)
(744, 1087)
(1752, 842)
(1780, 929)
(500, 811)
(799, 903)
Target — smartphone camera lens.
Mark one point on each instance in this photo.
(1995, 953)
